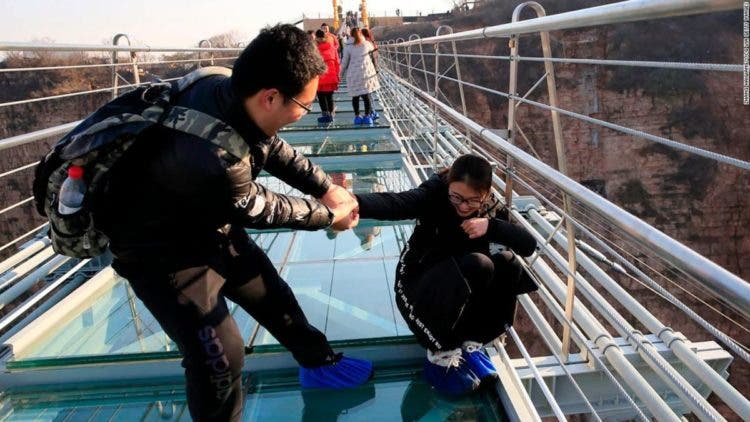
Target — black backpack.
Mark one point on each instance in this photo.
(98, 142)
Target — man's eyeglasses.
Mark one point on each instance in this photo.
(457, 200)
(306, 107)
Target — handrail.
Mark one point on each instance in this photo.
(89, 66)
(30, 46)
(37, 135)
(626, 11)
(718, 67)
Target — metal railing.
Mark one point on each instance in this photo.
(27, 269)
(583, 238)
(433, 131)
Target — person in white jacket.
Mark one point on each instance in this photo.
(361, 78)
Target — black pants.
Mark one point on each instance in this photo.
(325, 99)
(468, 298)
(190, 306)
(368, 104)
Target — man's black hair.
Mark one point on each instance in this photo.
(282, 57)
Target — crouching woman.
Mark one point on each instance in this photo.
(458, 276)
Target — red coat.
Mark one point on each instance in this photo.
(329, 81)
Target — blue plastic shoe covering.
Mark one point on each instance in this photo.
(358, 120)
(344, 372)
(367, 121)
(449, 374)
(374, 116)
(322, 120)
(478, 362)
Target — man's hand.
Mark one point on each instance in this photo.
(475, 227)
(335, 195)
(344, 207)
(347, 222)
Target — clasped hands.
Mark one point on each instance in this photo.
(345, 210)
(344, 206)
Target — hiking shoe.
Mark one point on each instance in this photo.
(449, 374)
(367, 121)
(479, 363)
(358, 120)
(344, 372)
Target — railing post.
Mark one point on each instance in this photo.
(115, 75)
(560, 149)
(434, 107)
(211, 56)
(424, 68)
(412, 37)
(398, 59)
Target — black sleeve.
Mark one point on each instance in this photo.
(398, 206)
(295, 169)
(513, 236)
(255, 206)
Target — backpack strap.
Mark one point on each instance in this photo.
(207, 127)
(186, 81)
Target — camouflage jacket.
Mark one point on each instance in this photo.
(170, 194)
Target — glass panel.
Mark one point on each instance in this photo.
(395, 394)
(342, 118)
(343, 281)
(339, 135)
(345, 104)
(164, 401)
(359, 304)
(115, 323)
(328, 147)
(275, 244)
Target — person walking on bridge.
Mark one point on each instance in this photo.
(361, 78)
(177, 206)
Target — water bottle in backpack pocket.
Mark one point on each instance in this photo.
(71, 224)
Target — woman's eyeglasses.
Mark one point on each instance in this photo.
(457, 200)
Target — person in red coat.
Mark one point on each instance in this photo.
(329, 81)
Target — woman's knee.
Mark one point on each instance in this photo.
(477, 268)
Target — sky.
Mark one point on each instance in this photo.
(169, 23)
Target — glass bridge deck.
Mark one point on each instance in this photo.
(343, 281)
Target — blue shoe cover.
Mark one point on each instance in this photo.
(374, 116)
(358, 120)
(367, 121)
(481, 365)
(451, 380)
(346, 372)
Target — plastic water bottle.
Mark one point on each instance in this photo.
(72, 191)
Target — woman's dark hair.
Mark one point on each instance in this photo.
(357, 35)
(282, 57)
(473, 170)
(368, 35)
(320, 34)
